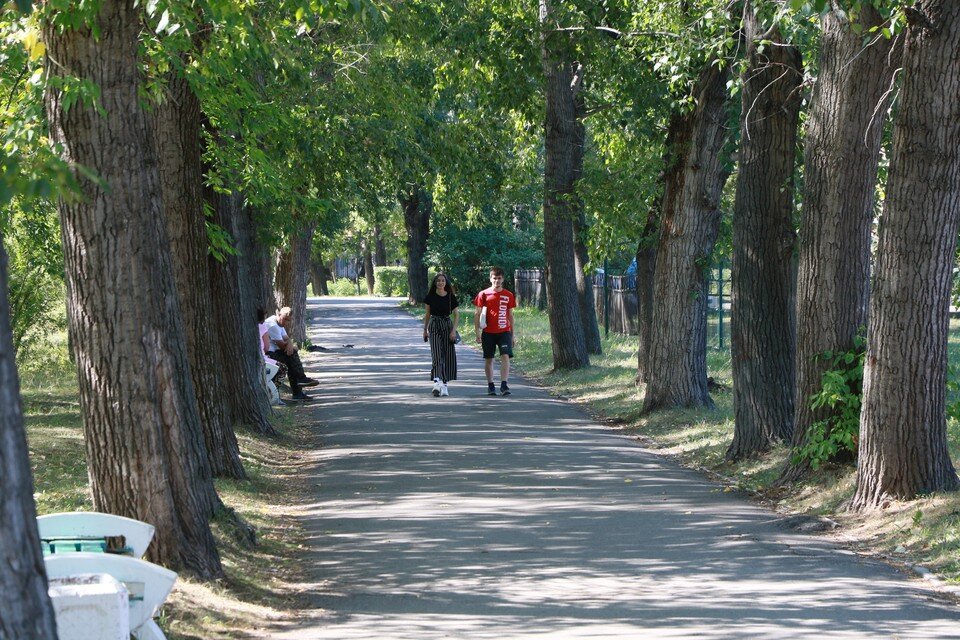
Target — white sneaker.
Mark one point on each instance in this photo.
(437, 387)
(444, 391)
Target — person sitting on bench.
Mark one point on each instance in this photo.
(285, 351)
(266, 346)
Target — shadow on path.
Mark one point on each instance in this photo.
(478, 517)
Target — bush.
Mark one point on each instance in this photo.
(390, 281)
(466, 255)
(342, 287)
(841, 389)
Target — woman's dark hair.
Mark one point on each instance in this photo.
(433, 284)
(261, 315)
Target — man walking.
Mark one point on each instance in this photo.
(493, 323)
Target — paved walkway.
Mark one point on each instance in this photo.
(476, 517)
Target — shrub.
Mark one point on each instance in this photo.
(841, 390)
(466, 255)
(390, 281)
(342, 287)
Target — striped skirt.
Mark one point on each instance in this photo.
(443, 353)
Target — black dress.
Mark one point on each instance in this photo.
(443, 353)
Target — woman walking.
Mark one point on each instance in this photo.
(440, 328)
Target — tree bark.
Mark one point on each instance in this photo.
(293, 271)
(259, 266)
(903, 432)
(241, 371)
(380, 250)
(646, 264)
(689, 227)
(25, 609)
(177, 127)
(145, 448)
(762, 321)
(588, 310)
(318, 277)
(368, 266)
(563, 81)
(841, 153)
(417, 207)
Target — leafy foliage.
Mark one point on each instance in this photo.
(466, 254)
(390, 281)
(841, 391)
(342, 287)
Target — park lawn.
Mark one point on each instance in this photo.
(924, 531)
(259, 584)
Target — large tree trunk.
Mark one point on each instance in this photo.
(380, 250)
(241, 370)
(417, 206)
(841, 153)
(588, 310)
(762, 322)
(903, 432)
(368, 266)
(25, 609)
(646, 264)
(293, 271)
(563, 82)
(259, 265)
(177, 134)
(688, 230)
(145, 448)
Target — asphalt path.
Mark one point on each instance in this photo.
(520, 517)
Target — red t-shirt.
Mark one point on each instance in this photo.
(497, 304)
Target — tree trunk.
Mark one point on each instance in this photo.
(318, 276)
(762, 322)
(25, 609)
(259, 265)
(688, 230)
(588, 310)
(841, 153)
(417, 206)
(560, 208)
(177, 134)
(293, 271)
(903, 432)
(241, 371)
(368, 266)
(145, 448)
(380, 250)
(646, 263)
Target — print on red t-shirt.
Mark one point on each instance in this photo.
(497, 304)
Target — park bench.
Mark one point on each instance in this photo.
(270, 370)
(83, 543)
(77, 531)
(148, 584)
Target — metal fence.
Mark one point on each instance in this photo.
(615, 299)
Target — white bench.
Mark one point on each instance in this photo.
(83, 530)
(148, 584)
(270, 370)
(90, 607)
